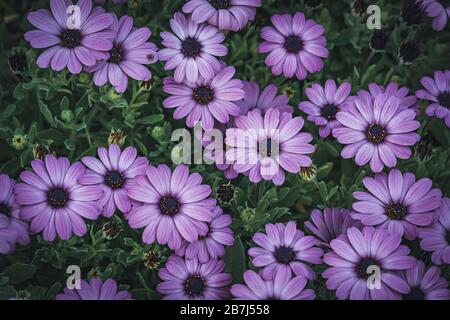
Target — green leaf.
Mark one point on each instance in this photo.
(46, 113)
(19, 272)
(152, 119)
(235, 260)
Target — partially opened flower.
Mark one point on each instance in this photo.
(438, 11)
(295, 45)
(70, 46)
(127, 58)
(284, 248)
(54, 201)
(191, 280)
(192, 50)
(324, 103)
(357, 255)
(95, 289)
(397, 202)
(282, 287)
(436, 237)
(437, 91)
(175, 205)
(114, 171)
(224, 14)
(376, 130)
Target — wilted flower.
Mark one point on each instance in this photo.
(117, 136)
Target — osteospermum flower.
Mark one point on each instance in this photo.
(265, 146)
(436, 237)
(127, 58)
(192, 50)
(330, 223)
(296, 45)
(324, 103)
(205, 100)
(224, 14)
(175, 205)
(70, 47)
(425, 284)
(212, 244)
(435, 9)
(356, 255)
(397, 202)
(95, 289)
(437, 91)
(191, 280)
(282, 287)
(284, 248)
(114, 173)
(376, 130)
(54, 201)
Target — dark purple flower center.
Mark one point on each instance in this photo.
(57, 197)
(114, 180)
(116, 54)
(375, 133)
(293, 44)
(267, 148)
(203, 95)
(329, 111)
(409, 51)
(362, 267)
(284, 255)
(448, 237)
(225, 193)
(444, 99)
(169, 205)
(70, 38)
(360, 7)
(17, 62)
(190, 47)
(413, 12)
(379, 40)
(415, 294)
(396, 211)
(194, 285)
(220, 4)
(5, 209)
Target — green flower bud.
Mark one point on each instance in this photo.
(111, 229)
(67, 116)
(158, 133)
(248, 215)
(308, 173)
(152, 259)
(19, 141)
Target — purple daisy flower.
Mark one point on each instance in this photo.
(96, 289)
(281, 287)
(114, 173)
(436, 237)
(397, 202)
(130, 52)
(205, 100)
(212, 244)
(192, 51)
(175, 205)
(224, 14)
(330, 224)
(75, 47)
(376, 130)
(437, 91)
(352, 255)
(296, 45)
(425, 284)
(436, 10)
(191, 280)
(260, 145)
(54, 201)
(284, 248)
(324, 103)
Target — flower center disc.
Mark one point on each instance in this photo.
(190, 47)
(415, 294)
(293, 44)
(70, 38)
(194, 285)
(375, 133)
(329, 111)
(363, 266)
(284, 255)
(57, 197)
(203, 95)
(116, 54)
(5, 209)
(169, 205)
(396, 211)
(444, 99)
(114, 179)
(220, 4)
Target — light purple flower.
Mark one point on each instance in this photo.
(224, 14)
(437, 91)
(265, 146)
(281, 287)
(376, 130)
(96, 289)
(175, 205)
(73, 48)
(205, 100)
(436, 10)
(296, 45)
(191, 280)
(192, 50)
(397, 202)
(436, 237)
(352, 256)
(324, 103)
(425, 284)
(130, 53)
(54, 201)
(284, 248)
(330, 223)
(114, 173)
(212, 244)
